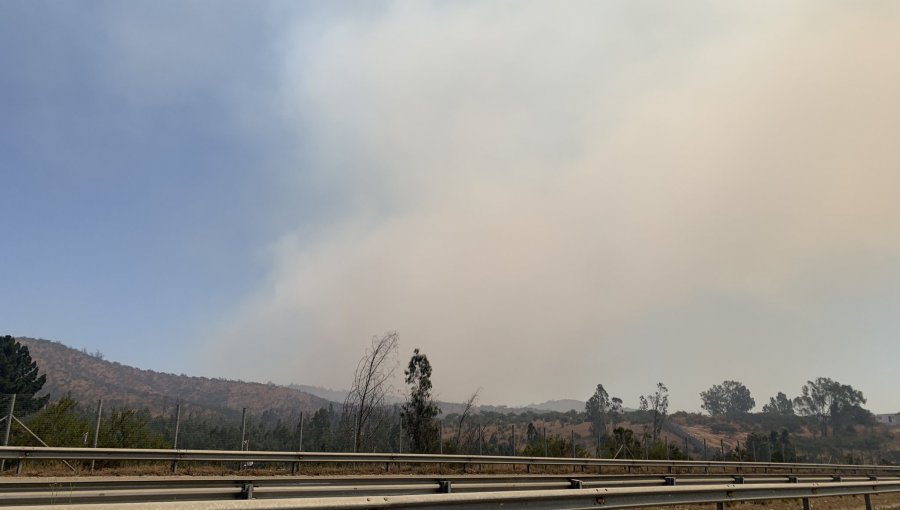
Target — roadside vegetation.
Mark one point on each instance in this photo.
(824, 422)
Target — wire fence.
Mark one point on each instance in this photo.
(67, 423)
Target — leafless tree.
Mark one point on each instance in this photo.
(371, 382)
(467, 410)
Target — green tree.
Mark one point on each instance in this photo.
(729, 398)
(318, 432)
(19, 376)
(599, 409)
(60, 424)
(779, 404)
(128, 428)
(419, 410)
(830, 402)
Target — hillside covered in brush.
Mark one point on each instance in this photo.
(88, 377)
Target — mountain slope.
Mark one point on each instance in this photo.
(89, 378)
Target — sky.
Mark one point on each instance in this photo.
(540, 196)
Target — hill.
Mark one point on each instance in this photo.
(560, 406)
(88, 377)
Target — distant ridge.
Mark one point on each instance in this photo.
(88, 378)
(561, 406)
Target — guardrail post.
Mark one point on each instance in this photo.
(868, 498)
(669, 481)
(738, 480)
(247, 491)
(576, 484)
(805, 503)
(720, 505)
(446, 487)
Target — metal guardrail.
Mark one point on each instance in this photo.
(566, 499)
(72, 490)
(297, 458)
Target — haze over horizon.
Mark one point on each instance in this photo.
(539, 196)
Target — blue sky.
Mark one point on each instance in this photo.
(135, 199)
(593, 192)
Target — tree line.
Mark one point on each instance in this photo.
(366, 422)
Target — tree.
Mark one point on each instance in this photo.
(128, 428)
(365, 401)
(829, 401)
(599, 409)
(779, 404)
(729, 398)
(615, 411)
(19, 375)
(467, 411)
(419, 410)
(319, 431)
(658, 405)
(59, 424)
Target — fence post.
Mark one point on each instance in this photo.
(400, 438)
(301, 432)
(355, 425)
(513, 440)
(175, 440)
(9, 419)
(243, 434)
(480, 438)
(97, 428)
(546, 449)
(243, 426)
(441, 436)
(177, 425)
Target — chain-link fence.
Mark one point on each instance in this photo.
(26, 421)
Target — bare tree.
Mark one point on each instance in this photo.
(658, 404)
(371, 382)
(467, 410)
